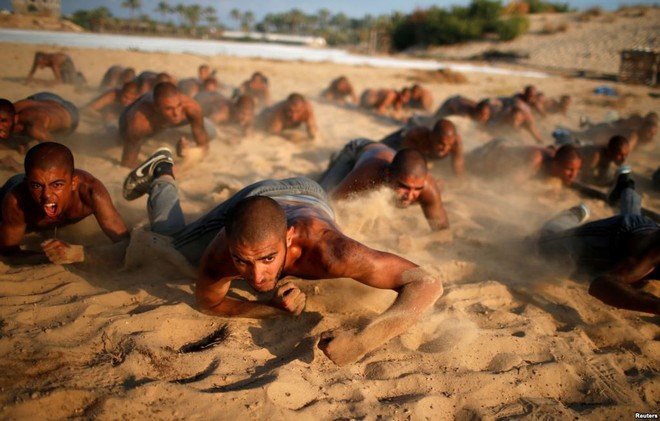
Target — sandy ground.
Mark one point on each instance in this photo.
(512, 337)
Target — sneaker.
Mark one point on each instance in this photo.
(138, 181)
(581, 211)
(622, 180)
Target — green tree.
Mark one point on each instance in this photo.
(164, 9)
(246, 21)
(210, 15)
(132, 5)
(324, 16)
(236, 15)
(193, 14)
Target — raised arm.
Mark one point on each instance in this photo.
(418, 290)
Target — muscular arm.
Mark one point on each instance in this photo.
(417, 291)
(103, 100)
(531, 127)
(312, 130)
(614, 288)
(196, 118)
(458, 158)
(133, 128)
(431, 201)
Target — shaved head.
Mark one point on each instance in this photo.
(49, 155)
(164, 90)
(567, 153)
(7, 106)
(408, 162)
(255, 220)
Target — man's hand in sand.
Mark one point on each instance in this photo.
(62, 253)
(341, 347)
(290, 299)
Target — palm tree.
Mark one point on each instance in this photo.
(132, 5)
(247, 21)
(164, 9)
(236, 15)
(193, 14)
(323, 15)
(210, 15)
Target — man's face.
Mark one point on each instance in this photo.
(483, 115)
(128, 96)
(407, 189)
(443, 142)
(245, 114)
(295, 112)
(171, 109)
(568, 171)
(6, 124)
(51, 189)
(619, 155)
(204, 72)
(261, 265)
(517, 118)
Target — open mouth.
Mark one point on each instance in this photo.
(50, 209)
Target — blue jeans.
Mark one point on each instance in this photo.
(191, 240)
(600, 244)
(343, 163)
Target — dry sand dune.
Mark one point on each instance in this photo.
(512, 337)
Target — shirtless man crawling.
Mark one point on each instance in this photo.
(364, 165)
(61, 65)
(289, 114)
(52, 193)
(437, 143)
(382, 100)
(156, 111)
(278, 228)
(37, 117)
(112, 102)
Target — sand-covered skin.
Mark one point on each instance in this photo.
(512, 337)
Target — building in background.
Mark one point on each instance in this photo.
(38, 7)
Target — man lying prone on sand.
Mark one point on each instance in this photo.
(278, 228)
(53, 193)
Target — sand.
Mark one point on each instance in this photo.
(512, 337)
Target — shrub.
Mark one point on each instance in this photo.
(513, 27)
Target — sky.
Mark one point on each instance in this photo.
(352, 8)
